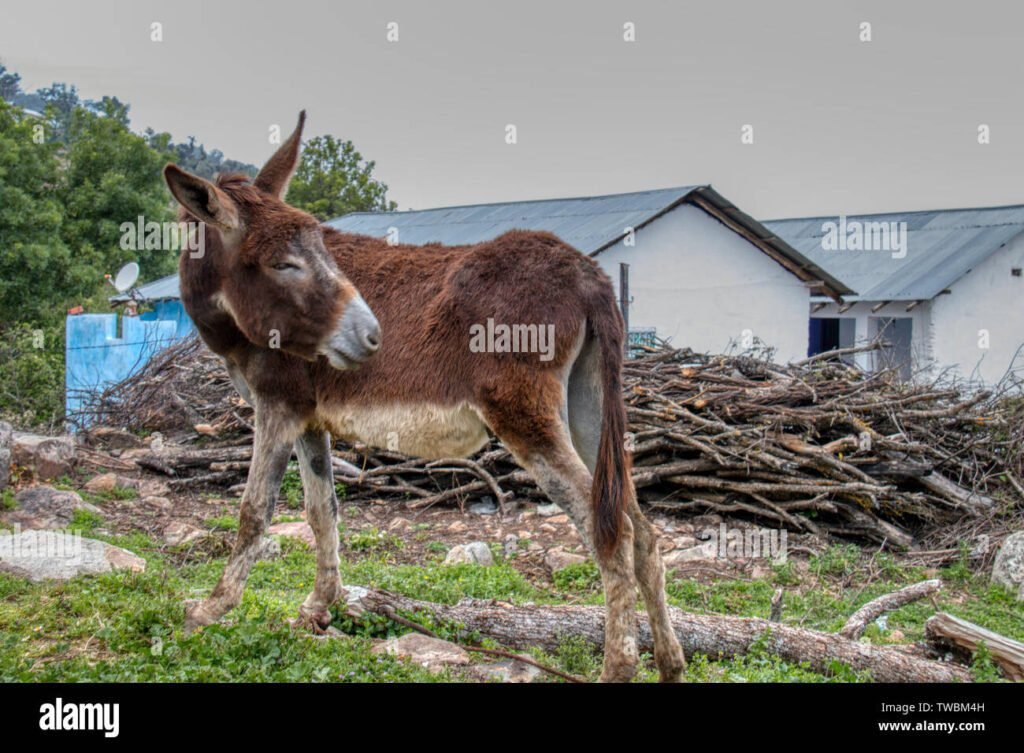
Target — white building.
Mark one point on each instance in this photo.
(945, 287)
(701, 274)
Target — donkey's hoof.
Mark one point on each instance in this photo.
(671, 668)
(314, 619)
(196, 615)
(617, 674)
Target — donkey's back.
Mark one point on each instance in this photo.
(466, 330)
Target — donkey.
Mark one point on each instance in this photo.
(330, 334)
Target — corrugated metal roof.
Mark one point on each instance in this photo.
(941, 247)
(590, 224)
(158, 290)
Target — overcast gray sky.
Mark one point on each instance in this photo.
(840, 125)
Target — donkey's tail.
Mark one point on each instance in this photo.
(613, 483)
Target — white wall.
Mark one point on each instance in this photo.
(701, 285)
(987, 298)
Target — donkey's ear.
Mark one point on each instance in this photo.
(277, 173)
(202, 198)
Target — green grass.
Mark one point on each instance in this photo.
(127, 627)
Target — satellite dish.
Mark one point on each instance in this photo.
(126, 277)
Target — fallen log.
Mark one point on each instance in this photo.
(946, 629)
(523, 626)
(874, 609)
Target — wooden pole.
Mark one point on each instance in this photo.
(624, 298)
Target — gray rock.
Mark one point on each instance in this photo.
(45, 555)
(432, 653)
(179, 532)
(47, 457)
(508, 670)
(548, 510)
(705, 551)
(43, 507)
(6, 436)
(559, 559)
(474, 553)
(486, 506)
(1008, 568)
(269, 549)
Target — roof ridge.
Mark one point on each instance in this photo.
(682, 190)
(887, 214)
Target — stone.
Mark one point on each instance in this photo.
(486, 506)
(299, 530)
(46, 555)
(43, 507)
(47, 457)
(458, 527)
(161, 503)
(706, 551)
(548, 510)
(558, 559)
(6, 437)
(474, 553)
(1008, 568)
(434, 654)
(559, 519)
(269, 549)
(113, 439)
(508, 670)
(179, 532)
(148, 487)
(105, 482)
(399, 525)
(548, 528)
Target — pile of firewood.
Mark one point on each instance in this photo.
(817, 446)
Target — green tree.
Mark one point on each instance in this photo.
(10, 84)
(111, 176)
(33, 255)
(333, 179)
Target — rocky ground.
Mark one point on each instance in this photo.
(59, 486)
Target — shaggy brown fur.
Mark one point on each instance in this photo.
(426, 299)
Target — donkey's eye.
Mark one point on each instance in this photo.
(283, 266)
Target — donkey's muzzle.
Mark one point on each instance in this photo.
(355, 338)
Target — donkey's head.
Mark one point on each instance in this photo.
(275, 277)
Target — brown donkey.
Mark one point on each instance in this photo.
(293, 308)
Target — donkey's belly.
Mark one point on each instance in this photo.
(424, 430)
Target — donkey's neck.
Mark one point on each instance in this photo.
(200, 280)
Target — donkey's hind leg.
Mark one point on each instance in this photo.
(272, 447)
(314, 451)
(584, 408)
(542, 446)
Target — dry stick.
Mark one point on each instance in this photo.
(859, 620)
(499, 494)
(390, 613)
(776, 612)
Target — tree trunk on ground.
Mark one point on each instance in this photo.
(521, 626)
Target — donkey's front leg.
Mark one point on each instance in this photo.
(275, 435)
(314, 451)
